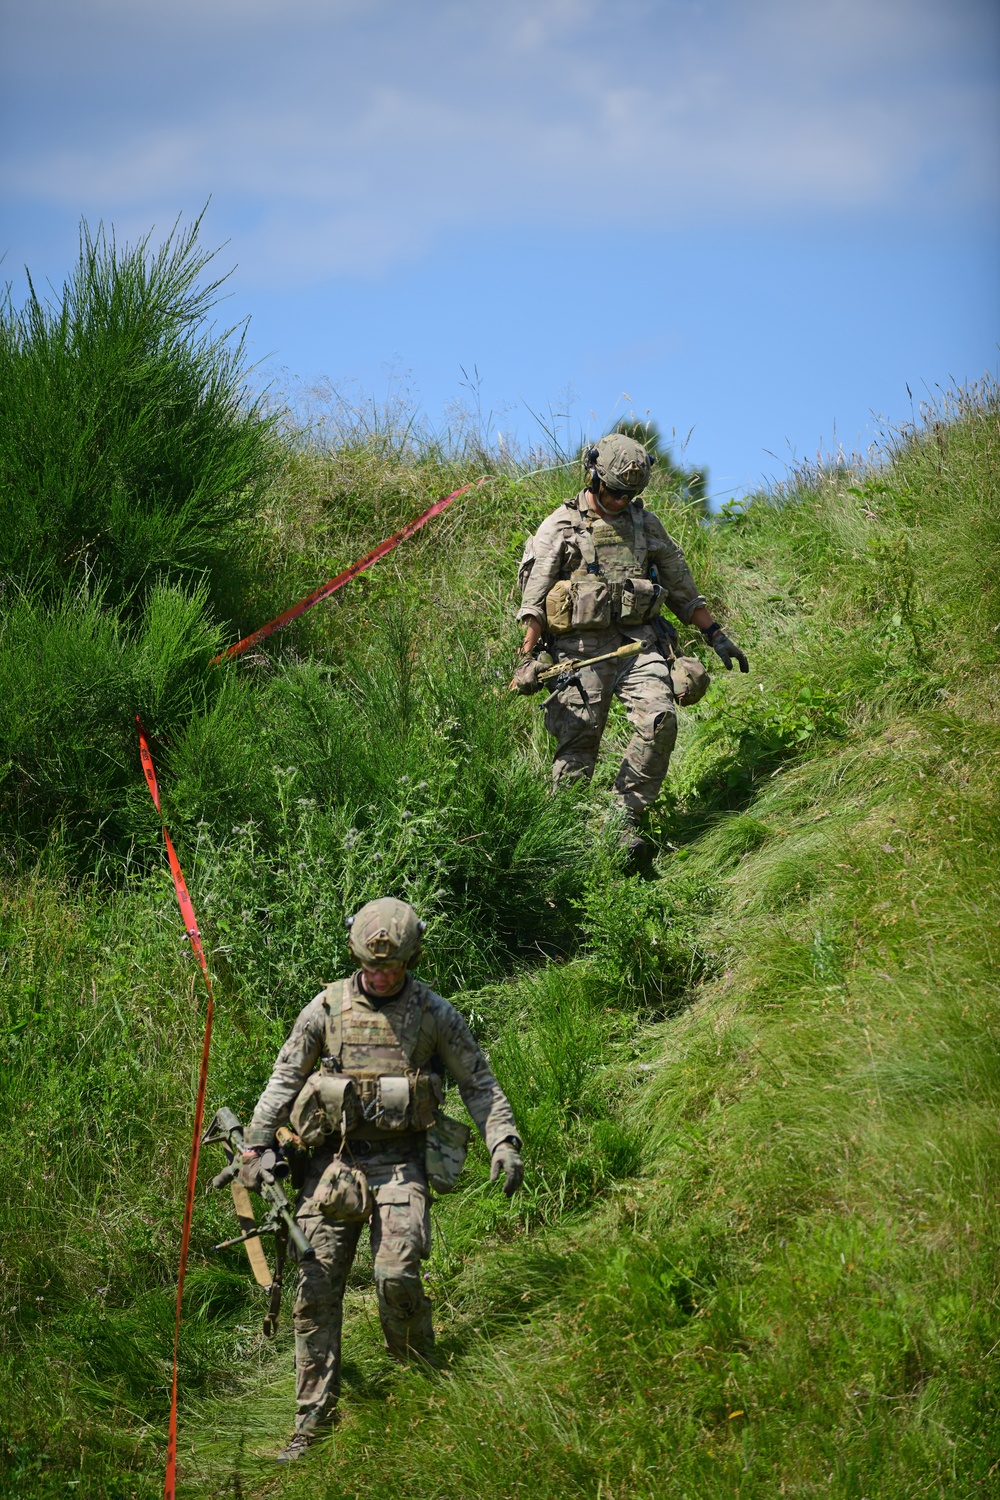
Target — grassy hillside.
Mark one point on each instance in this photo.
(757, 1251)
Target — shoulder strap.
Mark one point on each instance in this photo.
(639, 545)
(584, 540)
(336, 999)
(410, 1029)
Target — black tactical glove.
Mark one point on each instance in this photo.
(507, 1159)
(525, 679)
(726, 650)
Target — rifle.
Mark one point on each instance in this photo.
(563, 672)
(226, 1130)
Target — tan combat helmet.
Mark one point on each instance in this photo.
(385, 932)
(620, 464)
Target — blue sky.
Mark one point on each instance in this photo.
(757, 219)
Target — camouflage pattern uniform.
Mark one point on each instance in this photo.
(414, 1028)
(627, 545)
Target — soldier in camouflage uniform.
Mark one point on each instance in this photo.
(594, 577)
(379, 1028)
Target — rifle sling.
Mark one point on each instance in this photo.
(247, 1222)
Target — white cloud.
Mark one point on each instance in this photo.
(346, 137)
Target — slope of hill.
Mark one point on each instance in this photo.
(757, 1253)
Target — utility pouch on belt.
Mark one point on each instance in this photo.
(343, 1193)
(325, 1105)
(445, 1153)
(640, 601)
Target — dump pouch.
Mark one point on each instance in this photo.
(689, 679)
(445, 1152)
(343, 1194)
(325, 1105)
(640, 601)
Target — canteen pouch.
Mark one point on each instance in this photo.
(591, 602)
(559, 608)
(343, 1194)
(640, 601)
(689, 679)
(325, 1105)
(445, 1152)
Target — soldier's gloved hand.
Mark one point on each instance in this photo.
(525, 679)
(726, 650)
(507, 1159)
(251, 1165)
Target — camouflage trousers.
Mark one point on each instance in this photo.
(576, 717)
(400, 1238)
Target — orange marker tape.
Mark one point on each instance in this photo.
(194, 938)
(331, 587)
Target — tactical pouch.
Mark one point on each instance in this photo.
(343, 1193)
(591, 602)
(392, 1104)
(640, 601)
(404, 1103)
(325, 1105)
(689, 680)
(445, 1152)
(559, 608)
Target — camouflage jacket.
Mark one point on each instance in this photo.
(443, 1036)
(552, 553)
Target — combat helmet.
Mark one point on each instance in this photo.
(385, 932)
(619, 463)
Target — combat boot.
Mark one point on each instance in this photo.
(296, 1448)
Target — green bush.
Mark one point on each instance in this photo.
(129, 448)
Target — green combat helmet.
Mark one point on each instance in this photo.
(385, 932)
(620, 463)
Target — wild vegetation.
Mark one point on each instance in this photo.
(757, 1252)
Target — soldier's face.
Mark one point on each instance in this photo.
(383, 979)
(613, 501)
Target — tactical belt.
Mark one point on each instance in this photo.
(401, 1146)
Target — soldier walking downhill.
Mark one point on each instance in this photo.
(594, 577)
(360, 1077)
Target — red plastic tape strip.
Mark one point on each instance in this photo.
(331, 587)
(194, 938)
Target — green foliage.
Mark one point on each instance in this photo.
(127, 446)
(73, 676)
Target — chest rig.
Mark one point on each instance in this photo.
(610, 586)
(366, 1084)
